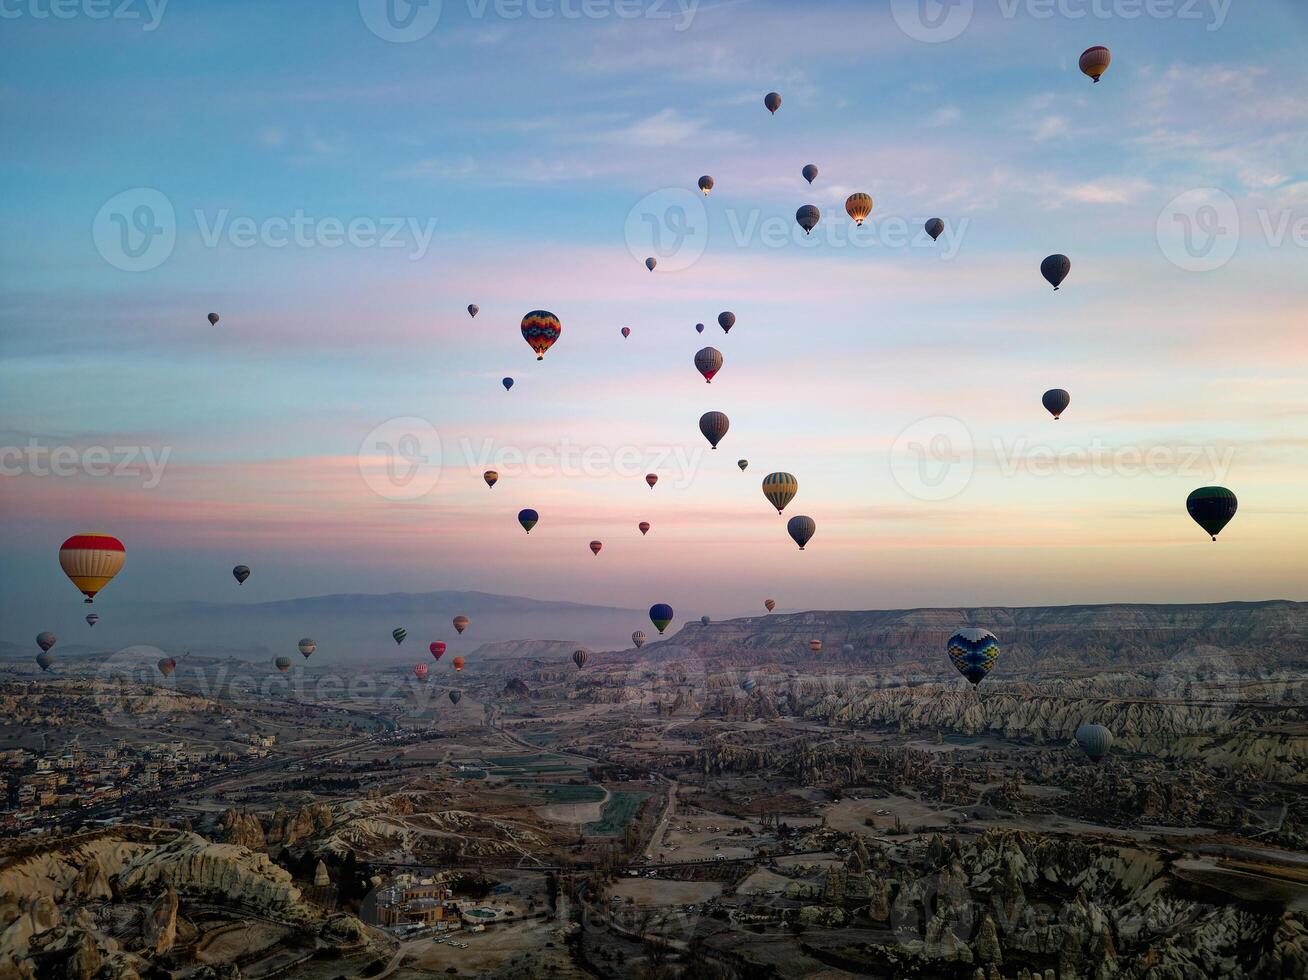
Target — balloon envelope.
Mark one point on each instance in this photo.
(643, 527)
(540, 328)
(507, 382)
(780, 489)
(769, 604)
(708, 361)
(241, 573)
(726, 320)
(773, 101)
(626, 331)
(420, 671)
(706, 184)
(810, 172)
(858, 206)
(1094, 62)
(934, 227)
(473, 309)
(437, 649)
(491, 478)
(91, 561)
(92, 619)
(528, 518)
(46, 640)
(596, 547)
(1211, 508)
(459, 663)
(213, 319)
(461, 623)
(743, 464)
(45, 660)
(579, 657)
(660, 614)
(699, 328)
(307, 646)
(973, 653)
(1095, 740)
(650, 263)
(398, 634)
(714, 426)
(166, 666)
(638, 638)
(1055, 269)
(801, 530)
(807, 217)
(814, 646)
(456, 697)
(283, 664)
(651, 479)
(1055, 401)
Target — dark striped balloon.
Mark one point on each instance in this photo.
(808, 216)
(801, 529)
(1095, 740)
(1211, 508)
(714, 426)
(708, 361)
(1056, 401)
(780, 489)
(1055, 269)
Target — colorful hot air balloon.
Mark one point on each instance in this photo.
(660, 614)
(626, 332)
(46, 640)
(704, 620)
(45, 660)
(596, 547)
(651, 479)
(473, 309)
(1055, 401)
(507, 382)
(726, 320)
(748, 684)
(708, 361)
(801, 529)
(780, 489)
(807, 217)
(1055, 269)
(706, 184)
(1095, 740)
(491, 478)
(743, 464)
(934, 228)
(528, 518)
(810, 172)
(92, 619)
(166, 666)
(858, 206)
(814, 646)
(241, 573)
(214, 318)
(769, 604)
(643, 527)
(398, 634)
(307, 646)
(420, 671)
(714, 426)
(1095, 61)
(699, 328)
(437, 649)
(461, 623)
(772, 101)
(650, 263)
(579, 657)
(283, 664)
(973, 653)
(456, 697)
(638, 638)
(1211, 508)
(91, 561)
(540, 328)
(459, 663)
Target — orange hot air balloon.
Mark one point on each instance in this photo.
(461, 623)
(815, 646)
(858, 206)
(596, 546)
(91, 561)
(643, 527)
(651, 479)
(458, 663)
(420, 671)
(1095, 61)
(769, 604)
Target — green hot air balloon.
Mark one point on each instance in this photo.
(398, 634)
(714, 426)
(780, 489)
(528, 518)
(1212, 508)
(660, 614)
(1095, 740)
(801, 530)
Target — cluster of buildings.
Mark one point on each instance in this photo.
(407, 902)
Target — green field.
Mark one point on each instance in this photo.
(470, 774)
(618, 812)
(543, 758)
(563, 793)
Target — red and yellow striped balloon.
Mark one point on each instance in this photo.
(91, 561)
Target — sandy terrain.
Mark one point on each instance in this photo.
(651, 892)
(487, 951)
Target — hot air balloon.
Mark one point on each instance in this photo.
(166, 666)
(934, 228)
(1095, 61)
(91, 561)
(638, 638)
(651, 479)
(596, 547)
(579, 657)
(491, 478)
(708, 361)
(307, 646)
(780, 489)
(772, 101)
(814, 646)
(743, 464)
(283, 664)
(398, 634)
(626, 332)
(1095, 740)
(46, 640)
(528, 518)
(706, 184)
(92, 619)
(458, 663)
(437, 649)
(714, 425)
(1212, 508)
(704, 620)
(1055, 269)
(507, 382)
(769, 604)
(540, 328)
(800, 529)
(1056, 401)
(858, 206)
(643, 527)
(473, 309)
(461, 623)
(748, 684)
(456, 697)
(699, 328)
(660, 614)
(45, 660)
(650, 263)
(420, 671)
(726, 320)
(810, 172)
(214, 318)
(848, 648)
(808, 216)
(241, 573)
(973, 652)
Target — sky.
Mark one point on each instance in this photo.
(338, 181)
